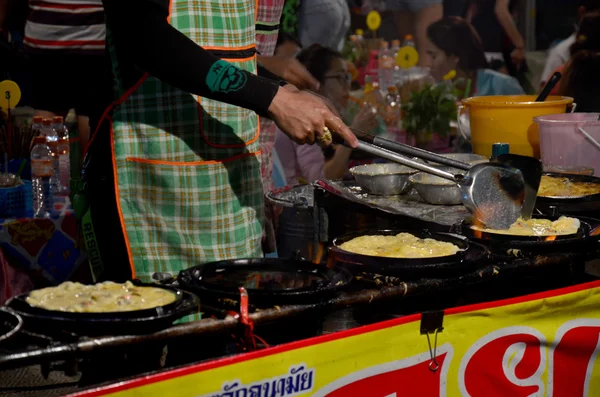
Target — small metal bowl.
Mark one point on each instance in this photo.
(383, 179)
(436, 190)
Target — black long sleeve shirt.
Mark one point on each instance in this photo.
(146, 42)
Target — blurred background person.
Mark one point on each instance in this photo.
(288, 45)
(582, 79)
(560, 54)
(414, 17)
(587, 39)
(65, 42)
(493, 19)
(324, 22)
(453, 44)
(14, 64)
(310, 162)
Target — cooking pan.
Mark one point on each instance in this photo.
(538, 245)
(570, 205)
(10, 324)
(268, 281)
(412, 268)
(110, 323)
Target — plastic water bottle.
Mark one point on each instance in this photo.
(371, 95)
(49, 133)
(409, 41)
(386, 67)
(392, 112)
(41, 173)
(394, 53)
(62, 150)
(36, 125)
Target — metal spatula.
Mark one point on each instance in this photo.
(493, 193)
(532, 176)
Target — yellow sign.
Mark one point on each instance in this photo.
(407, 57)
(373, 20)
(543, 344)
(10, 94)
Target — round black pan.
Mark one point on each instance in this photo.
(113, 323)
(500, 244)
(10, 324)
(410, 268)
(570, 205)
(281, 281)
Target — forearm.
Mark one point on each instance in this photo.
(508, 24)
(157, 48)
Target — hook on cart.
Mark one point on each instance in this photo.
(432, 323)
(246, 335)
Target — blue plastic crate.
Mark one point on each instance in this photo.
(16, 201)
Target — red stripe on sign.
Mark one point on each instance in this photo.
(43, 4)
(524, 298)
(66, 43)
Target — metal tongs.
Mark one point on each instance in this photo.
(496, 193)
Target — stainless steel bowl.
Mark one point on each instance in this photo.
(383, 179)
(436, 190)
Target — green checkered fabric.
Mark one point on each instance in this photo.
(189, 174)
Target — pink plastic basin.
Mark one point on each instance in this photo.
(563, 144)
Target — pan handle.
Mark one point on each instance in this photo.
(420, 153)
(396, 158)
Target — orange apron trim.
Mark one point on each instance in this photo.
(118, 197)
(110, 107)
(220, 48)
(192, 163)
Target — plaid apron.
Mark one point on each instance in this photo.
(188, 176)
(267, 30)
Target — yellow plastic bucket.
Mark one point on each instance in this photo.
(509, 119)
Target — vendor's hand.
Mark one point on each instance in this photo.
(303, 116)
(291, 70)
(366, 119)
(517, 56)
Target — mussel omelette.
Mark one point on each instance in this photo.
(538, 227)
(402, 245)
(100, 298)
(551, 186)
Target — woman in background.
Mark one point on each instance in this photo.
(454, 45)
(310, 163)
(580, 80)
(586, 39)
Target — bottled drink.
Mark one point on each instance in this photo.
(36, 124)
(392, 113)
(371, 95)
(36, 127)
(386, 66)
(62, 150)
(394, 53)
(408, 73)
(41, 173)
(499, 149)
(49, 133)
